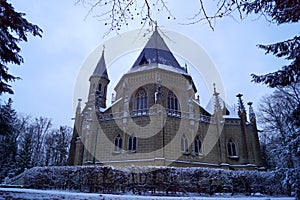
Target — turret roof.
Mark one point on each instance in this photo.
(100, 69)
(156, 51)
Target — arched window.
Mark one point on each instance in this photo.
(172, 101)
(197, 145)
(184, 144)
(141, 100)
(132, 143)
(118, 143)
(231, 147)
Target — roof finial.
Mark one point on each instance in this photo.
(155, 26)
(240, 103)
(215, 90)
(251, 111)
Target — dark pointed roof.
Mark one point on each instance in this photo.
(100, 69)
(156, 51)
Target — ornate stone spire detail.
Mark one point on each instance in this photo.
(251, 112)
(241, 106)
(217, 102)
(78, 108)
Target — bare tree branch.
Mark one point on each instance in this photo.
(205, 15)
(117, 13)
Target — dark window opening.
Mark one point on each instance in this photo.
(197, 145)
(141, 100)
(231, 148)
(118, 143)
(132, 143)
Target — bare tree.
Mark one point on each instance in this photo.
(118, 13)
(56, 145)
(281, 136)
(41, 126)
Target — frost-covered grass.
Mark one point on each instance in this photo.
(16, 193)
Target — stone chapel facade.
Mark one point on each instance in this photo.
(156, 120)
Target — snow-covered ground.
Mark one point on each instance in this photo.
(17, 193)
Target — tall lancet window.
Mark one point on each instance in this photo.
(172, 101)
(141, 100)
(231, 148)
(132, 143)
(197, 145)
(118, 143)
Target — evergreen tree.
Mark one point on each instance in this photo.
(289, 74)
(279, 12)
(8, 139)
(13, 29)
(25, 150)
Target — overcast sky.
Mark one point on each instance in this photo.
(53, 62)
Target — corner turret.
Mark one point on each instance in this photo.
(98, 84)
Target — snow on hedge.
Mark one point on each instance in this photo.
(163, 180)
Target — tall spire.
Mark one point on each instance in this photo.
(100, 69)
(156, 51)
(217, 103)
(98, 84)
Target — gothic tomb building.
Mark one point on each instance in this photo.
(155, 119)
